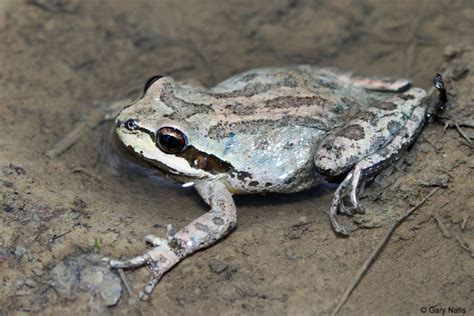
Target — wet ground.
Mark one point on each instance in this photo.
(63, 62)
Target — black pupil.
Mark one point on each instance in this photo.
(170, 141)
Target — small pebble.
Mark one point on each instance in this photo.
(79, 204)
(37, 271)
(303, 220)
(290, 254)
(30, 283)
(217, 266)
(19, 251)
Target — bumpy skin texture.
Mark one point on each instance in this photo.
(267, 130)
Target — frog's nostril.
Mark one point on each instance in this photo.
(130, 124)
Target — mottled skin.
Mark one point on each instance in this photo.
(268, 130)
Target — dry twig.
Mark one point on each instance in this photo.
(124, 281)
(91, 122)
(463, 134)
(86, 172)
(365, 267)
(70, 139)
(442, 227)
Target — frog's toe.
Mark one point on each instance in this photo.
(350, 208)
(155, 241)
(344, 208)
(359, 209)
(159, 260)
(145, 294)
(134, 262)
(340, 229)
(338, 206)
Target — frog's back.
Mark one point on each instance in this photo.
(283, 96)
(322, 81)
(268, 122)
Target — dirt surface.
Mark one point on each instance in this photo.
(62, 63)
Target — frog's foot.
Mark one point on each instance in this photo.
(159, 260)
(201, 233)
(346, 198)
(350, 210)
(350, 203)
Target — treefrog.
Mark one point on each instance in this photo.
(282, 129)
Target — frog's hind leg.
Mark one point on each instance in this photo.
(378, 135)
(199, 234)
(371, 166)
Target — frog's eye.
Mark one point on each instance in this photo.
(170, 140)
(149, 82)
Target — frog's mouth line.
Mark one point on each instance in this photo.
(195, 158)
(155, 164)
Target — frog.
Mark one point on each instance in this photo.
(275, 129)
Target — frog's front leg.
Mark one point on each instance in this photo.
(368, 144)
(199, 234)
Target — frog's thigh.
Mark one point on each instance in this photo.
(371, 130)
(369, 82)
(372, 164)
(379, 160)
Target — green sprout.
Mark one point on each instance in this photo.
(96, 245)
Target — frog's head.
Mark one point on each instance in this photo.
(152, 128)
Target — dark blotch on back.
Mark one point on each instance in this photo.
(407, 97)
(218, 221)
(387, 106)
(295, 102)
(355, 132)
(201, 227)
(393, 127)
(368, 117)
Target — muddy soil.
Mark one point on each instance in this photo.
(62, 62)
